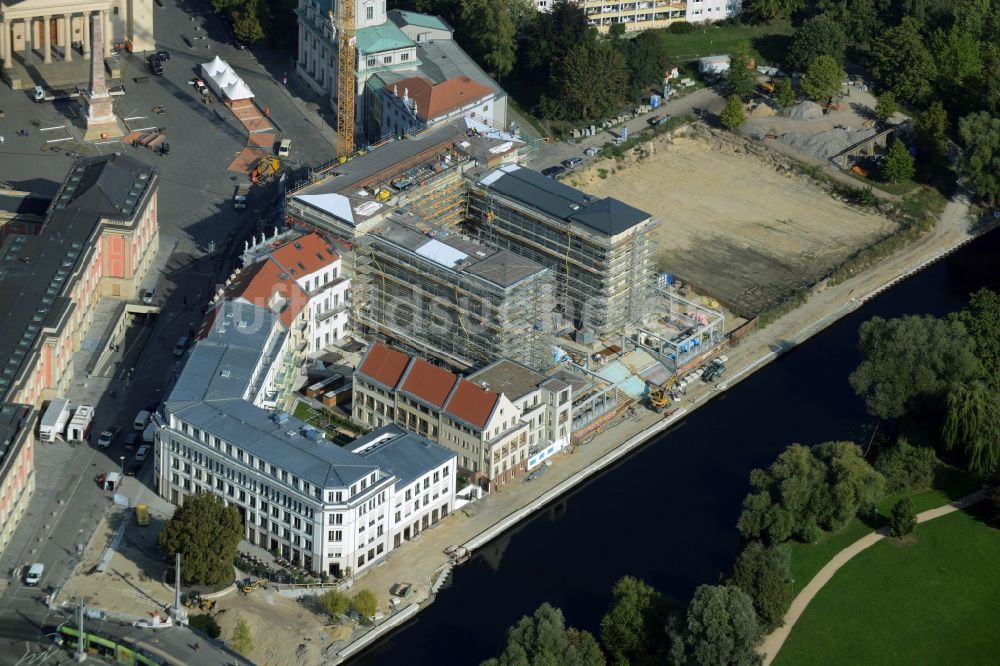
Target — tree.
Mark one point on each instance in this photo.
(819, 36)
(902, 63)
(722, 627)
(547, 41)
(631, 629)
(981, 318)
(206, 532)
(979, 162)
(545, 640)
(733, 115)
(576, 96)
(741, 79)
(898, 164)
(806, 490)
(931, 129)
(246, 22)
(973, 425)
(886, 106)
(490, 29)
(366, 604)
(957, 55)
(335, 603)
(784, 92)
(646, 60)
(903, 518)
(907, 468)
(241, 640)
(206, 624)
(823, 78)
(908, 359)
(763, 573)
(863, 21)
(766, 11)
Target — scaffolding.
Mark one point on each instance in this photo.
(603, 282)
(687, 334)
(449, 313)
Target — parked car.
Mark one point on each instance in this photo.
(156, 67)
(572, 162)
(107, 437)
(284, 147)
(131, 439)
(162, 56)
(180, 347)
(34, 574)
(553, 171)
(142, 453)
(147, 296)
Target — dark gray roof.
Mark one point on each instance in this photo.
(530, 188)
(15, 426)
(23, 203)
(402, 453)
(442, 59)
(37, 272)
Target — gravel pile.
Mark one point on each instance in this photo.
(825, 144)
(806, 111)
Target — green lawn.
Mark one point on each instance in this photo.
(930, 600)
(809, 558)
(330, 423)
(767, 43)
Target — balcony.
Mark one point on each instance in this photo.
(332, 312)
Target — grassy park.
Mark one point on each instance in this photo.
(928, 599)
(766, 42)
(808, 558)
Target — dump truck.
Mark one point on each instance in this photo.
(240, 196)
(142, 515)
(54, 421)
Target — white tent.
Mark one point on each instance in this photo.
(221, 78)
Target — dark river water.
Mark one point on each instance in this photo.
(667, 512)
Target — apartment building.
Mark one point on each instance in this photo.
(495, 437)
(17, 466)
(600, 251)
(97, 240)
(315, 267)
(701, 11)
(450, 298)
(635, 15)
(325, 507)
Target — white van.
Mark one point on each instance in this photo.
(141, 420)
(34, 574)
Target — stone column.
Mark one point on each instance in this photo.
(5, 37)
(108, 39)
(86, 35)
(68, 32)
(46, 40)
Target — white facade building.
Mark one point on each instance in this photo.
(700, 11)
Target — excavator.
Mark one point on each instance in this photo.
(659, 398)
(266, 169)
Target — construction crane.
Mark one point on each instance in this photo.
(345, 78)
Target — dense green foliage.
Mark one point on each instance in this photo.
(898, 164)
(241, 639)
(910, 359)
(206, 532)
(763, 573)
(733, 115)
(823, 78)
(980, 160)
(972, 424)
(784, 92)
(807, 490)
(819, 36)
(544, 640)
(903, 518)
(722, 628)
(631, 630)
(906, 468)
(365, 603)
(932, 133)
(206, 624)
(335, 603)
(886, 106)
(741, 79)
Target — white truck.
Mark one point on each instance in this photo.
(53, 423)
(241, 195)
(40, 95)
(79, 426)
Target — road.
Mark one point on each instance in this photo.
(195, 215)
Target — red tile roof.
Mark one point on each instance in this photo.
(305, 255)
(259, 283)
(471, 403)
(384, 365)
(438, 100)
(428, 382)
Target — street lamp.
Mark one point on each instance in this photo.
(122, 458)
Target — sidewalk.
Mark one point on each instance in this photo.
(772, 644)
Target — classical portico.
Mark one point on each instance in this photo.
(46, 32)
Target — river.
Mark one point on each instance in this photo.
(667, 512)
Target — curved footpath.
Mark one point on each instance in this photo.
(772, 644)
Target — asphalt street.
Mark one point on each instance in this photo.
(199, 232)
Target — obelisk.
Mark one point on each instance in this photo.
(101, 122)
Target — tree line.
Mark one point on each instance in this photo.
(942, 372)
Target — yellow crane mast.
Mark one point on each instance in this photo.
(345, 78)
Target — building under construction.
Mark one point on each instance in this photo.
(447, 297)
(602, 251)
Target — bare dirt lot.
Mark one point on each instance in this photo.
(737, 224)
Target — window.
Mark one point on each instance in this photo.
(369, 13)
(370, 62)
(403, 57)
(387, 59)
